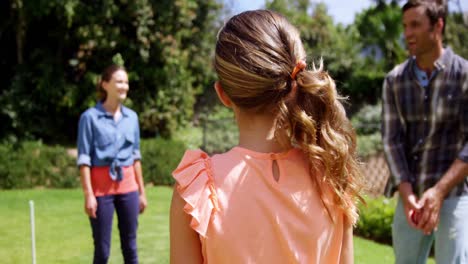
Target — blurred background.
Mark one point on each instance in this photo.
(52, 52)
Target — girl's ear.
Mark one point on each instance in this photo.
(223, 97)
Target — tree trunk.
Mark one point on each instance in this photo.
(20, 29)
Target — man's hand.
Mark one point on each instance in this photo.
(412, 210)
(432, 199)
(410, 204)
(431, 202)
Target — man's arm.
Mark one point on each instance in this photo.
(393, 135)
(393, 143)
(432, 199)
(455, 175)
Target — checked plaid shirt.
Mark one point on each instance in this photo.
(424, 129)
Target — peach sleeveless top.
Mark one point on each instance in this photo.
(243, 215)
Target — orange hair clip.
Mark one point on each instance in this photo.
(300, 65)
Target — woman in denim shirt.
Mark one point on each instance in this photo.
(110, 168)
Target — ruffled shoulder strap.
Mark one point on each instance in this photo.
(195, 185)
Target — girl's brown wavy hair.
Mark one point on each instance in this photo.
(256, 52)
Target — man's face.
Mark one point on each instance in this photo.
(421, 37)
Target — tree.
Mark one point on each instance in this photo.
(335, 44)
(380, 33)
(50, 66)
(456, 33)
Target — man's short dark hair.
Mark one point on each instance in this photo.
(435, 9)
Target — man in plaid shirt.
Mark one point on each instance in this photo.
(425, 137)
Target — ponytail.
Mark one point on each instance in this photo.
(316, 122)
(258, 60)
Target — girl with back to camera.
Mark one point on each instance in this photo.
(110, 168)
(286, 193)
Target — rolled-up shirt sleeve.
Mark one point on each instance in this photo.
(136, 146)
(85, 140)
(463, 154)
(393, 136)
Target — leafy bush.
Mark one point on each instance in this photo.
(364, 86)
(368, 119)
(31, 164)
(375, 221)
(219, 135)
(192, 136)
(160, 158)
(368, 145)
(220, 132)
(367, 124)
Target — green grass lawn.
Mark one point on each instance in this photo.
(63, 234)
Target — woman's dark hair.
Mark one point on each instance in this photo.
(106, 76)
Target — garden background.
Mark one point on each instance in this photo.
(52, 52)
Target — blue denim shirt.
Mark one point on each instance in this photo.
(105, 142)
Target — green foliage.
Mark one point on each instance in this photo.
(117, 59)
(220, 132)
(368, 119)
(377, 34)
(364, 87)
(380, 33)
(49, 79)
(167, 47)
(337, 45)
(367, 124)
(160, 157)
(33, 164)
(191, 135)
(375, 219)
(456, 34)
(185, 38)
(368, 145)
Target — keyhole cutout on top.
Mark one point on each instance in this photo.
(275, 170)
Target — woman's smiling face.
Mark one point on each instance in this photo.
(117, 87)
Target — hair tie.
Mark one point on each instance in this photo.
(300, 65)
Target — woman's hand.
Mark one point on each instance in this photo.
(143, 203)
(90, 205)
